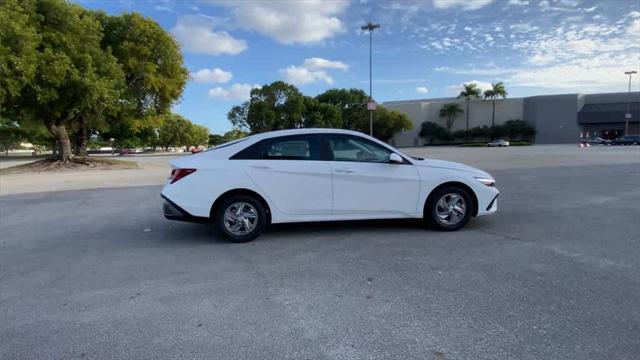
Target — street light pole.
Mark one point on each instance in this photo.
(370, 27)
(627, 115)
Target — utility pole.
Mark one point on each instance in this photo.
(627, 115)
(370, 106)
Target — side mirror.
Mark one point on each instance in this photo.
(395, 159)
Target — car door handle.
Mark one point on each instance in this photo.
(344, 171)
(261, 167)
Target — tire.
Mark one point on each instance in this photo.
(252, 210)
(434, 210)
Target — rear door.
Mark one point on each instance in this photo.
(290, 172)
(365, 182)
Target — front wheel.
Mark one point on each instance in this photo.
(449, 208)
(241, 218)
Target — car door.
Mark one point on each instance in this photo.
(290, 172)
(365, 182)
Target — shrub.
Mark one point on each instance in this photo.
(432, 131)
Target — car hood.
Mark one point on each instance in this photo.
(443, 164)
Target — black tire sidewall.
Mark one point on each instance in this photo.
(430, 208)
(262, 218)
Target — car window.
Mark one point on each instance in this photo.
(352, 148)
(288, 149)
(296, 147)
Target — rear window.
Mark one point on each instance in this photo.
(297, 147)
(229, 143)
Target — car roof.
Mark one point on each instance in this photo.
(271, 134)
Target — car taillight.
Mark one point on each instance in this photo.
(177, 174)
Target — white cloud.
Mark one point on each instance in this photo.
(300, 75)
(494, 71)
(518, 2)
(422, 89)
(580, 75)
(237, 91)
(215, 75)
(541, 59)
(523, 27)
(291, 22)
(312, 70)
(482, 85)
(195, 35)
(320, 63)
(464, 4)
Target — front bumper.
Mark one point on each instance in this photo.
(172, 211)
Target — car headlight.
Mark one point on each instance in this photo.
(487, 181)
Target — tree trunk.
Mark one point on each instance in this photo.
(81, 138)
(63, 146)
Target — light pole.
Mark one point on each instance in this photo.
(370, 27)
(627, 115)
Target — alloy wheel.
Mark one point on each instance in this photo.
(450, 209)
(240, 218)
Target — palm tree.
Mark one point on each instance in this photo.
(470, 91)
(450, 112)
(497, 91)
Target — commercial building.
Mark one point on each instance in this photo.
(557, 118)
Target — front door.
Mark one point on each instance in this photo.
(365, 182)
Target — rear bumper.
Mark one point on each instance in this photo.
(172, 211)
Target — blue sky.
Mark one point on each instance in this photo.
(424, 49)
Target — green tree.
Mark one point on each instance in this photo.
(198, 135)
(469, 92)
(72, 75)
(353, 106)
(275, 106)
(231, 135)
(19, 40)
(320, 115)
(174, 131)
(151, 60)
(155, 75)
(11, 135)
(450, 112)
(515, 129)
(497, 91)
(386, 123)
(238, 117)
(431, 131)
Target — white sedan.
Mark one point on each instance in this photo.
(320, 175)
(498, 143)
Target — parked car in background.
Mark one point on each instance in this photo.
(498, 143)
(196, 150)
(627, 140)
(320, 175)
(595, 140)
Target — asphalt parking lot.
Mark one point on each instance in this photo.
(555, 274)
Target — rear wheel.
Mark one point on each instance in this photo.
(241, 218)
(449, 208)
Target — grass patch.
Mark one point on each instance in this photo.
(76, 163)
